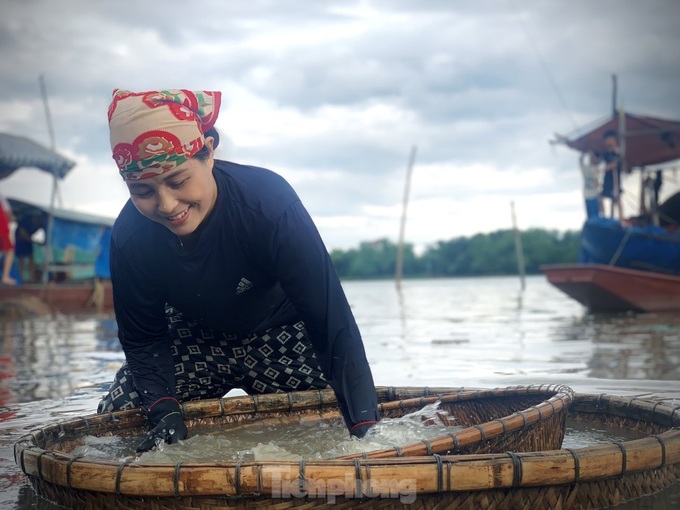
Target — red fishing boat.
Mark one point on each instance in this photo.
(630, 263)
(603, 288)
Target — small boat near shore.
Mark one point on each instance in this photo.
(67, 298)
(71, 262)
(78, 271)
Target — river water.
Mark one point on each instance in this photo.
(476, 332)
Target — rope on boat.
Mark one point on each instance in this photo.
(577, 466)
(79, 456)
(622, 245)
(175, 480)
(440, 474)
(624, 460)
(357, 476)
(663, 449)
(516, 469)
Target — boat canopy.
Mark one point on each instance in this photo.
(648, 140)
(18, 151)
(20, 208)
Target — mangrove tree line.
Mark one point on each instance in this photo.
(479, 255)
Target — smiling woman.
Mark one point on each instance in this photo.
(181, 199)
(220, 277)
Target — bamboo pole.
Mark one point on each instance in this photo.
(519, 252)
(400, 247)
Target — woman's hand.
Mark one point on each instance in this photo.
(359, 430)
(167, 422)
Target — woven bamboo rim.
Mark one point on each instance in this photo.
(591, 477)
(518, 418)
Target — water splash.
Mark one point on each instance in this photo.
(322, 439)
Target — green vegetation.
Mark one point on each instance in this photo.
(479, 255)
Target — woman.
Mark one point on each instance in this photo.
(220, 277)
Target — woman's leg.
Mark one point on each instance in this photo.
(280, 359)
(7, 268)
(205, 365)
(205, 360)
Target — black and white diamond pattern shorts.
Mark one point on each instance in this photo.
(209, 363)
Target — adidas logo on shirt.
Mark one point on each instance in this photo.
(243, 286)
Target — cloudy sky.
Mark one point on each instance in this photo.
(334, 94)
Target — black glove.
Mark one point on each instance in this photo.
(104, 404)
(167, 422)
(360, 429)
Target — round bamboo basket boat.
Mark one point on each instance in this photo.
(502, 474)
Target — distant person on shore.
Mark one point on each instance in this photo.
(220, 277)
(6, 244)
(611, 187)
(590, 168)
(23, 248)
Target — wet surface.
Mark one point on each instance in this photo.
(477, 332)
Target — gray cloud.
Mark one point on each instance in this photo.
(471, 83)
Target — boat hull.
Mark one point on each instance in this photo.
(606, 241)
(603, 288)
(66, 298)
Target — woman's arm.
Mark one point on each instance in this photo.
(305, 270)
(142, 327)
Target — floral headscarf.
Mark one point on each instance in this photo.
(156, 131)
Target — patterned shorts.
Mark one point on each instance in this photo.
(209, 363)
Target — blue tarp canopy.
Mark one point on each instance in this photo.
(21, 208)
(17, 152)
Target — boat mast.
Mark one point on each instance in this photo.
(619, 114)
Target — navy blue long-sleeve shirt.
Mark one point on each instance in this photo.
(258, 232)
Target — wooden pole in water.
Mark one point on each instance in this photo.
(518, 246)
(400, 247)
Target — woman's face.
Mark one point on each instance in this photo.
(179, 199)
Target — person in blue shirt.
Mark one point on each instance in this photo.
(23, 249)
(220, 277)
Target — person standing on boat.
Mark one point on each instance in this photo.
(220, 277)
(611, 187)
(6, 244)
(23, 249)
(590, 169)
